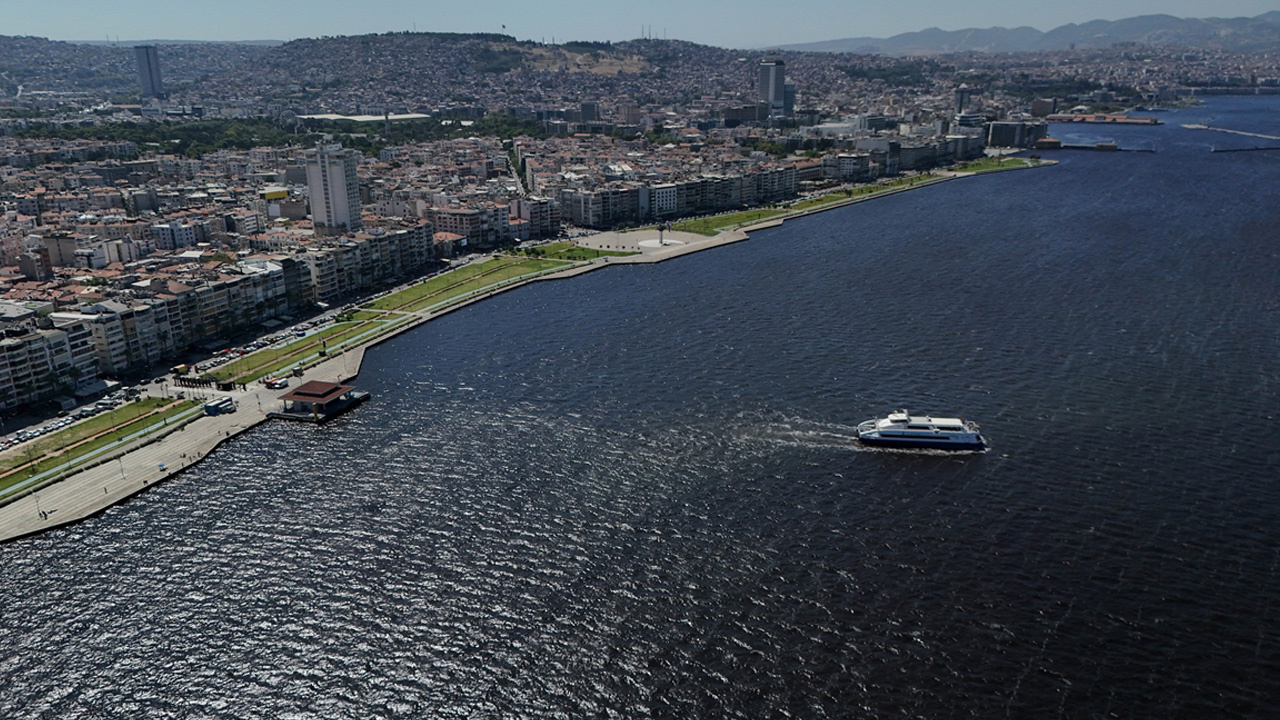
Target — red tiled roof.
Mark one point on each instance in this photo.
(317, 392)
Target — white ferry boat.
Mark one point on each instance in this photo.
(903, 430)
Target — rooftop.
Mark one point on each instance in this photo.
(316, 392)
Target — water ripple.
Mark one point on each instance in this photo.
(639, 493)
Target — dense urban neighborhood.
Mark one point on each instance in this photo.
(158, 201)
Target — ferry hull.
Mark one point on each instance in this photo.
(928, 444)
(902, 430)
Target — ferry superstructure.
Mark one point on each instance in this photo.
(904, 430)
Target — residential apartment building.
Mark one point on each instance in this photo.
(123, 336)
(334, 188)
(37, 364)
(542, 216)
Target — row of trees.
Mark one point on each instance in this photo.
(189, 138)
(196, 138)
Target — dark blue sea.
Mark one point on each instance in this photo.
(636, 494)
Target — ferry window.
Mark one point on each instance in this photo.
(917, 427)
(949, 428)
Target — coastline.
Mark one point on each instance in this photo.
(150, 461)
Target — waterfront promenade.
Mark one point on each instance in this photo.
(149, 461)
(146, 462)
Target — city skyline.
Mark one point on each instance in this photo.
(745, 24)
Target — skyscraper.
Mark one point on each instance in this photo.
(333, 188)
(772, 85)
(962, 95)
(149, 70)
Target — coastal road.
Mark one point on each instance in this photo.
(149, 461)
(146, 462)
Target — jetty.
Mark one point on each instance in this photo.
(1198, 126)
(1101, 119)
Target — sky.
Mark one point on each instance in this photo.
(731, 24)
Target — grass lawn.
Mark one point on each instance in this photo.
(989, 164)
(369, 320)
(713, 225)
(273, 367)
(267, 361)
(820, 201)
(499, 273)
(399, 300)
(864, 191)
(55, 450)
(569, 251)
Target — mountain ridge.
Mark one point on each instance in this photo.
(1243, 34)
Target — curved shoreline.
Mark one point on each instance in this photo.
(138, 468)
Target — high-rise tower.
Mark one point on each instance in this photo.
(333, 188)
(149, 71)
(773, 85)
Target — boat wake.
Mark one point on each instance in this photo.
(816, 435)
(803, 433)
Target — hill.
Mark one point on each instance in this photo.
(34, 64)
(427, 71)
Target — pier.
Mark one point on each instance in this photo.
(1252, 149)
(318, 401)
(1198, 126)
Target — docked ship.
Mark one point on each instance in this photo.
(903, 430)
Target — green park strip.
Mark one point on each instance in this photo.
(995, 163)
(460, 281)
(500, 275)
(84, 438)
(370, 322)
(438, 284)
(571, 252)
(268, 361)
(367, 315)
(361, 333)
(433, 285)
(712, 225)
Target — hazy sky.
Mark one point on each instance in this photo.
(739, 24)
